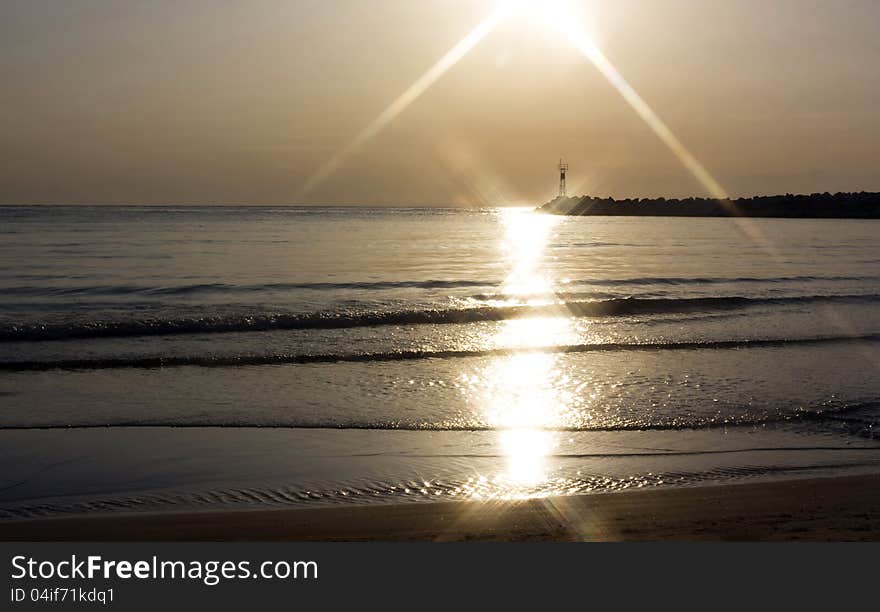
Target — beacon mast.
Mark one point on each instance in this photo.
(563, 168)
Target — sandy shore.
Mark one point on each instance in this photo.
(838, 508)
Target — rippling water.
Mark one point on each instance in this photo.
(159, 357)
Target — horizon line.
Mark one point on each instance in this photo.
(412, 205)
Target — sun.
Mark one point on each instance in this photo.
(559, 16)
(556, 14)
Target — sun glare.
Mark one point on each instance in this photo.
(523, 403)
(559, 16)
(524, 395)
(525, 237)
(550, 13)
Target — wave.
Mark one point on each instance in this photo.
(200, 288)
(839, 414)
(31, 290)
(342, 320)
(716, 280)
(150, 362)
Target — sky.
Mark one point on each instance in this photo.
(234, 101)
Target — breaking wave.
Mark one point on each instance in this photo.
(201, 288)
(408, 355)
(857, 418)
(622, 306)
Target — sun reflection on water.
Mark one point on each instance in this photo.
(525, 400)
(526, 451)
(523, 246)
(524, 395)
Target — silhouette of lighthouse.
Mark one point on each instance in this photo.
(563, 168)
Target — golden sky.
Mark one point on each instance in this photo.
(234, 101)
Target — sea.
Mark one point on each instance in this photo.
(220, 357)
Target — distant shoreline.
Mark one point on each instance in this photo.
(862, 205)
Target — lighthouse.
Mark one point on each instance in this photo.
(563, 168)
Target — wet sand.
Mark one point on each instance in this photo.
(833, 508)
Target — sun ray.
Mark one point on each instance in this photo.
(584, 43)
(557, 15)
(587, 47)
(410, 95)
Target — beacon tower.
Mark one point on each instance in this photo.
(563, 168)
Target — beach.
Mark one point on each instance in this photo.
(817, 509)
(228, 372)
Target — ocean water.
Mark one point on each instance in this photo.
(212, 357)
